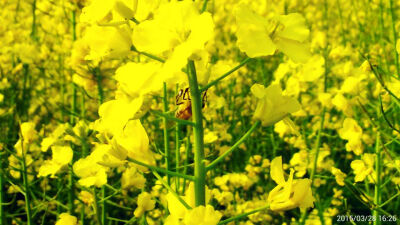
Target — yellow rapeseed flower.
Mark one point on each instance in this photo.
(62, 155)
(290, 193)
(272, 106)
(145, 203)
(177, 32)
(363, 168)
(258, 36)
(352, 132)
(66, 219)
(28, 132)
(339, 176)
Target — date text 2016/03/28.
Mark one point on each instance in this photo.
(365, 218)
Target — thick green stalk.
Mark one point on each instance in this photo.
(198, 132)
(378, 168)
(103, 217)
(166, 140)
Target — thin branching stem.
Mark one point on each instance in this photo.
(243, 215)
(214, 82)
(236, 145)
(155, 168)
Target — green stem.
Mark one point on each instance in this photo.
(187, 154)
(99, 86)
(26, 185)
(177, 152)
(71, 196)
(214, 82)
(71, 207)
(204, 7)
(237, 144)
(103, 217)
(133, 48)
(83, 112)
(74, 25)
(168, 117)
(392, 15)
(2, 188)
(198, 132)
(96, 207)
(389, 200)
(378, 168)
(166, 141)
(382, 34)
(83, 214)
(33, 31)
(103, 206)
(243, 215)
(155, 168)
(341, 22)
(317, 146)
(24, 97)
(171, 191)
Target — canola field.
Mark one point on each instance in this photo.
(203, 112)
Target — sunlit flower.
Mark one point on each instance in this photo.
(352, 132)
(133, 142)
(290, 193)
(67, 219)
(131, 177)
(145, 203)
(28, 132)
(86, 197)
(62, 155)
(115, 114)
(202, 215)
(272, 106)
(88, 169)
(177, 209)
(258, 36)
(339, 176)
(363, 168)
(177, 32)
